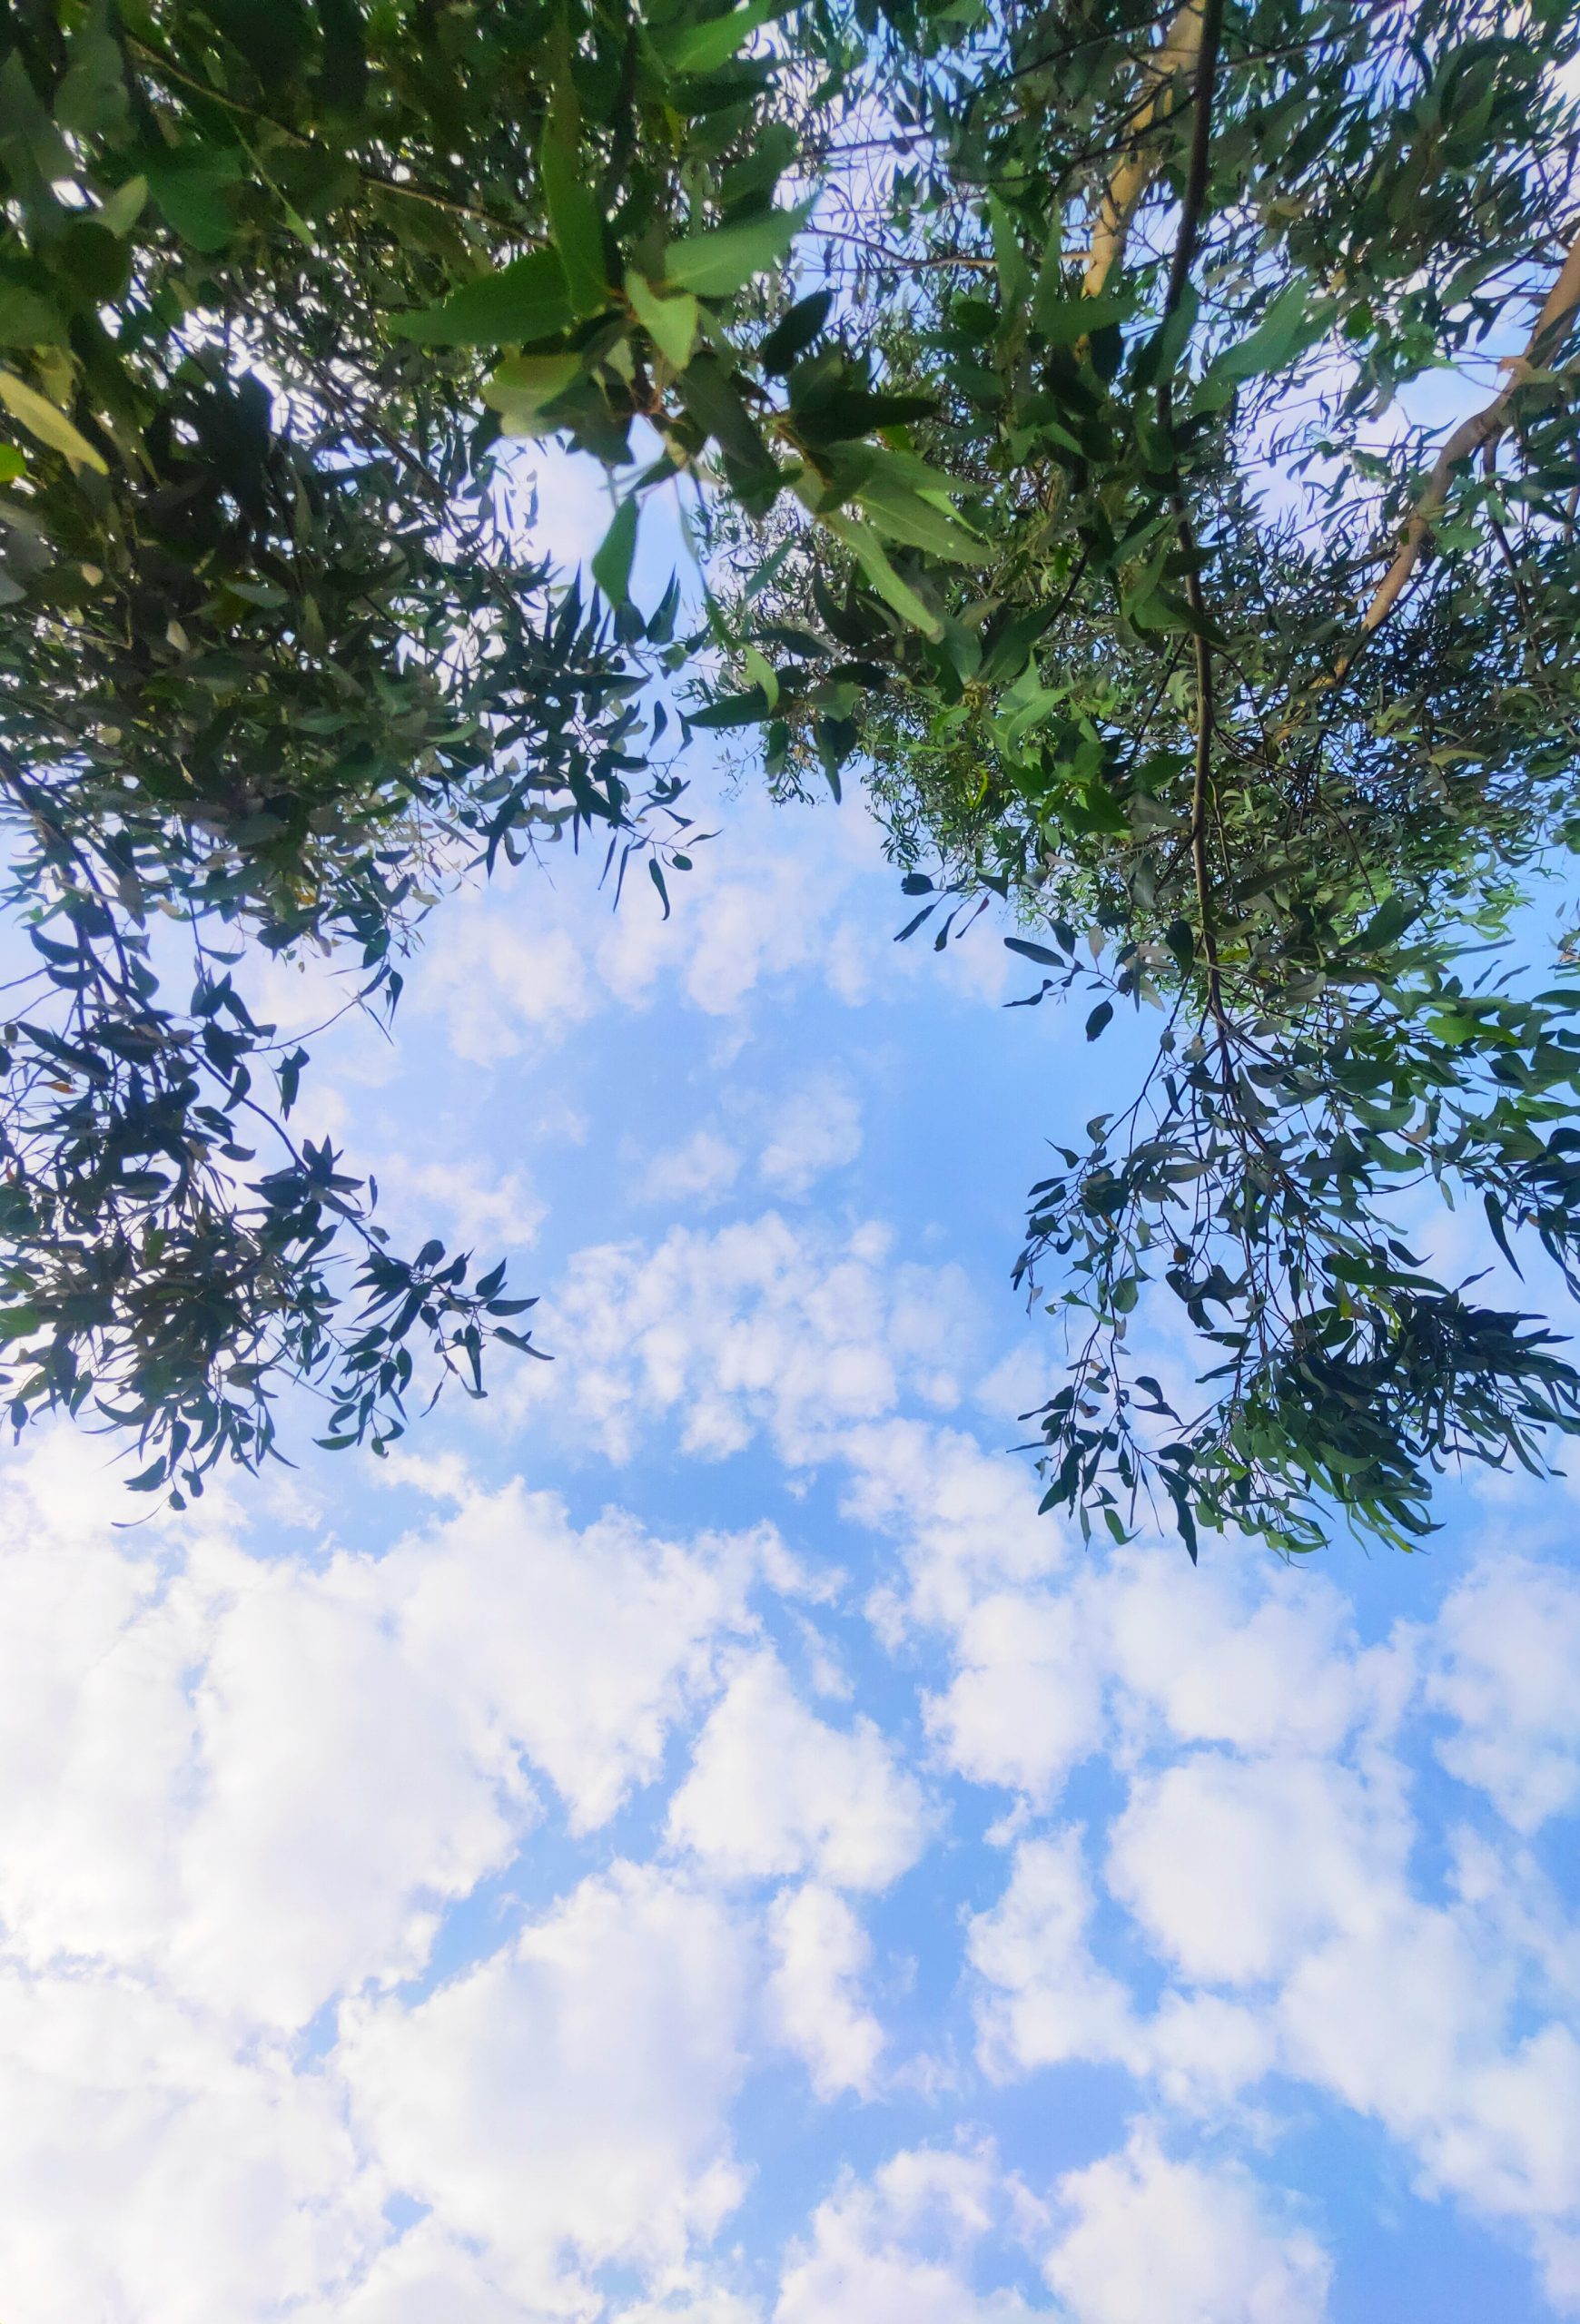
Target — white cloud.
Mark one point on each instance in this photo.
(586, 1645)
(1155, 2242)
(965, 1521)
(897, 2249)
(1504, 1653)
(777, 894)
(774, 1791)
(149, 2169)
(325, 1755)
(820, 1953)
(782, 902)
(427, 2274)
(817, 1127)
(1406, 2023)
(1235, 1869)
(564, 2105)
(1219, 1656)
(332, 1754)
(470, 1206)
(501, 981)
(696, 1172)
(709, 2304)
(761, 1325)
(1027, 1705)
(1048, 2000)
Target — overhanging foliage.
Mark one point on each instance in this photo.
(1045, 369)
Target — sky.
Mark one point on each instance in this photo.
(683, 1842)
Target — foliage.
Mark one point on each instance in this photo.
(1236, 670)
(1054, 378)
(274, 666)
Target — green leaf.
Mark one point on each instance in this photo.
(717, 265)
(1014, 274)
(1291, 324)
(194, 189)
(1063, 320)
(1100, 1018)
(1495, 1219)
(1049, 289)
(611, 567)
(763, 675)
(1093, 808)
(713, 400)
(702, 48)
(91, 98)
(27, 318)
(527, 300)
(47, 422)
(524, 384)
(732, 710)
(342, 74)
(1385, 927)
(794, 332)
(121, 209)
(902, 515)
(574, 215)
(670, 323)
(890, 587)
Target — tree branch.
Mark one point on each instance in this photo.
(1479, 433)
(1176, 55)
(1209, 22)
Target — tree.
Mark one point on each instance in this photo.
(1061, 501)
(1282, 717)
(275, 667)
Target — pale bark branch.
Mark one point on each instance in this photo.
(1166, 69)
(1475, 434)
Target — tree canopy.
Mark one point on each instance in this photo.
(1141, 448)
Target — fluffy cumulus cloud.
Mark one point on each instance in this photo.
(695, 1174)
(327, 1753)
(778, 896)
(821, 1953)
(152, 2165)
(1151, 2240)
(564, 2105)
(761, 1327)
(1506, 1649)
(1277, 1889)
(1234, 1868)
(551, 1913)
(1046, 2000)
(817, 1127)
(901, 2247)
(1025, 1705)
(773, 1789)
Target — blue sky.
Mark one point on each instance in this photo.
(684, 1840)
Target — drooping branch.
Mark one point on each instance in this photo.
(1208, 26)
(1169, 68)
(1477, 434)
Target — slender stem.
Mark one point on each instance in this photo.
(1178, 276)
